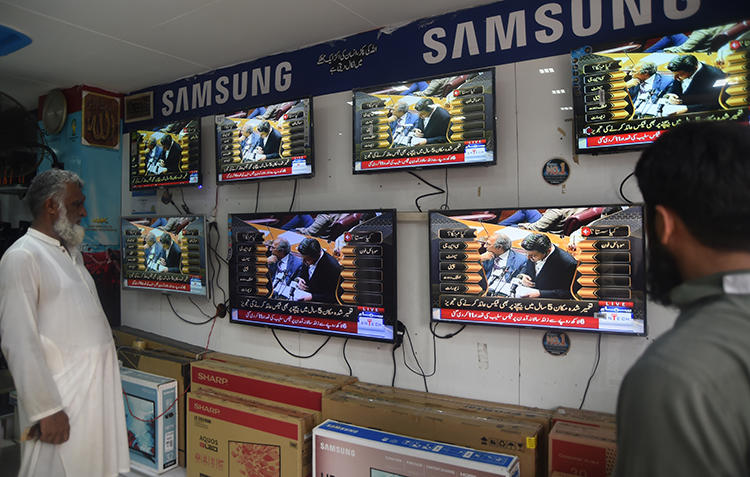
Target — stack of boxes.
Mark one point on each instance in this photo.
(582, 443)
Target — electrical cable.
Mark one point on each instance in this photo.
(346, 341)
(596, 365)
(445, 205)
(294, 194)
(169, 300)
(393, 357)
(444, 337)
(190, 299)
(622, 184)
(438, 189)
(184, 204)
(257, 196)
(175, 206)
(273, 331)
(414, 353)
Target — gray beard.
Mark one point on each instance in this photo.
(71, 235)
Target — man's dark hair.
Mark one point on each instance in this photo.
(265, 126)
(701, 171)
(165, 239)
(424, 104)
(536, 243)
(309, 247)
(166, 141)
(687, 63)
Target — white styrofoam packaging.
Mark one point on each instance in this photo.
(152, 442)
(345, 450)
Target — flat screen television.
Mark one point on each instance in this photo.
(165, 253)
(141, 426)
(329, 272)
(573, 268)
(443, 121)
(626, 95)
(271, 141)
(166, 155)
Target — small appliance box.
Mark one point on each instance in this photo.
(342, 450)
(152, 442)
(234, 437)
(582, 450)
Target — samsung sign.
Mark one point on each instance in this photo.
(494, 34)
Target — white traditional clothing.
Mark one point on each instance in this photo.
(60, 351)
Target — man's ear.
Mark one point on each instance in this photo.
(51, 207)
(665, 223)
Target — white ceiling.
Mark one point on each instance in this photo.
(126, 45)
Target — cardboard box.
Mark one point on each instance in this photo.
(242, 438)
(264, 386)
(170, 366)
(584, 418)
(452, 426)
(342, 449)
(285, 369)
(582, 450)
(151, 420)
(134, 338)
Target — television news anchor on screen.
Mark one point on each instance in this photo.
(683, 407)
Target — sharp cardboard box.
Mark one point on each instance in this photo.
(242, 438)
(582, 450)
(131, 337)
(152, 441)
(264, 386)
(167, 365)
(584, 418)
(344, 450)
(325, 376)
(452, 426)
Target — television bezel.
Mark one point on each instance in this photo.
(267, 178)
(545, 328)
(204, 250)
(198, 184)
(439, 166)
(392, 340)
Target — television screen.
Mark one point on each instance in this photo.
(626, 95)
(167, 155)
(575, 268)
(164, 253)
(434, 122)
(324, 272)
(264, 142)
(141, 426)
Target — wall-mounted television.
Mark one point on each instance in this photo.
(271, 141)
(166, 254)
(572, 268)
(626, 95)
(432, 122)
(166, 155)
(329, 272)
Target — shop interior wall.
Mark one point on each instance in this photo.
(499, 364)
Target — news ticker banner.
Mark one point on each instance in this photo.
(494, 34)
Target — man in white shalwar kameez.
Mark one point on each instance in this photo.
(58, 343)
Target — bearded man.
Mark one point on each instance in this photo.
(58, 343)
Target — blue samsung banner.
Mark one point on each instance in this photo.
(493, 34)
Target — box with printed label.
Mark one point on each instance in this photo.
(583, 417)
(342, 449)
(453, 426)
(151, 419)
(582, 450)
(234, 437)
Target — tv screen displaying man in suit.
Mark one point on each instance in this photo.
(584, 270)
(428, 122)
(166, 155)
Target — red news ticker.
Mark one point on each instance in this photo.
(280, 171)
(623, 139)
(159, 184)
(245, 419)
(515, 318)
(412, 161)
(135, 282)
(308, 322)
(258, 388)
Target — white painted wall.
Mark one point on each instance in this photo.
(514, 368)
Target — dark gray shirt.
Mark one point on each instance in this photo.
(684, 406)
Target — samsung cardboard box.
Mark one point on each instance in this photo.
(151, 419)
(345, 450)
(168, 365)
(264, 386)
(452, 426)
(582, 450)
(283, 369)
(244, 438)
(583, 417)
